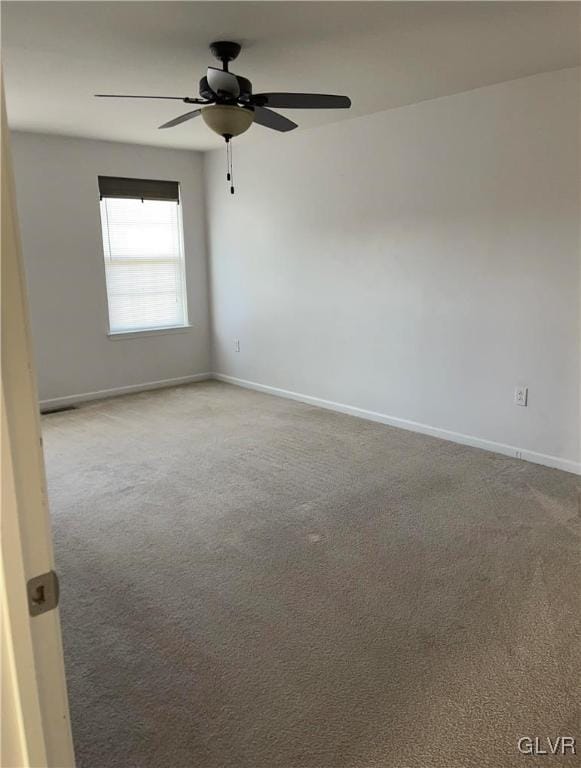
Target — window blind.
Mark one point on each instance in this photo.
(139, 189)
(144, 264)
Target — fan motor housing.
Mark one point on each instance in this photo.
(245, 91)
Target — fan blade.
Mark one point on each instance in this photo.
(301, 101)
(273, 120)
(223, 82)
(187, 99)
(182, 118)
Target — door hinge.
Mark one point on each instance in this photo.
(43, 593)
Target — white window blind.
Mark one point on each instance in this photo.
(144, 264)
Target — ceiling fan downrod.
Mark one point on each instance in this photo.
(225, 51)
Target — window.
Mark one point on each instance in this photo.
(144, 258)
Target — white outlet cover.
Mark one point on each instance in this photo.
(521, 395)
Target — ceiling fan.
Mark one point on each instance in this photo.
(229, 107)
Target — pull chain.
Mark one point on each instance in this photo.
(229, 170)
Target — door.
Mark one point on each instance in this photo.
(35, 715)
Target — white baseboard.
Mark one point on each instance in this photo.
(393, 421)
(456, 437)
(58, 402)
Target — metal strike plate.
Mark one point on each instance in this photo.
(43, 593)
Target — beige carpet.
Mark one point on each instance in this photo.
(249, 582)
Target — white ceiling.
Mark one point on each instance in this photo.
(56, 55)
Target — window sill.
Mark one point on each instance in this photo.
(119, 335)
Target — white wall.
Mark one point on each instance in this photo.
(58, 206)
(418, 263)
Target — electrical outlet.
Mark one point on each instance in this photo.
(521, 395)
(236, 345)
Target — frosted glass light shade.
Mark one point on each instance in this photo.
(227, 120)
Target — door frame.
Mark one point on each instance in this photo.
(36, 728)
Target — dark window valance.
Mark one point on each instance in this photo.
(142, 189)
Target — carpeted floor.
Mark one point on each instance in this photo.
(249, 582)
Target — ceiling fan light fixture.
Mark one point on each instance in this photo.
(227, 120)
(228, 105)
